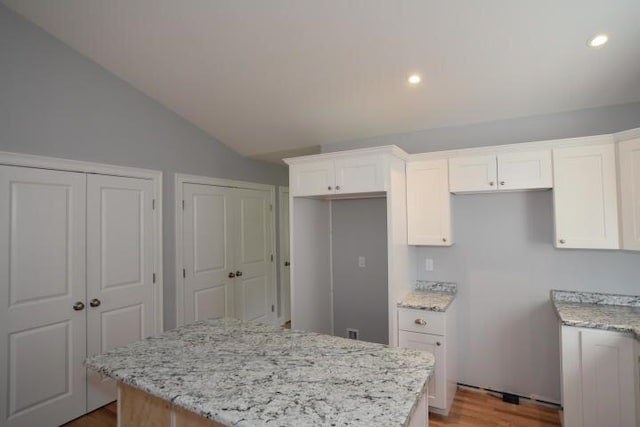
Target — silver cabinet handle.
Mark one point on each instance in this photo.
(444, 240)
(232, 275)
(95, 302)
(79, 306)
(562, 241)
(337, 187)
(501, 182)
(287, 263)
(491, 183)
(420, 322)
(238, 273)
(329, 188)
(438, 343)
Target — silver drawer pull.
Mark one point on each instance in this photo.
(420, 322)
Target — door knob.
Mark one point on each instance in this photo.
(79, 306)
(232, 275)
(287, 263)
(95, 302)
(238, 273)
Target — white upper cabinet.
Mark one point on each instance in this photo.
(629, 161)
(428, 203)
(525, 171)
(472, 173)
(585, 201)
(340, 173)
(313, 179)
(506, 171)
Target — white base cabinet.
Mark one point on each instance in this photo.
(434, 332)
(600, 378)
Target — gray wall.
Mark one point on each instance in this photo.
(56, 102)
(504, 260)
(593, 121)
(359, 228)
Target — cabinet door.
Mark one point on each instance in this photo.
(120, 292)
(585, 200)
(312, 179)
(524, 171)
(359, 174)
(475, 173)
(434, 344)
(42, 296)
(629, 160)
(428, 203)
(608, 376)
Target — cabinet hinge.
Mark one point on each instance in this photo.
(271, 257)
(184, 273)
(154, 277)
(183, 205)
(271, 208)
(153, 204)
(273, 308)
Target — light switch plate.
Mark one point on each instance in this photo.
(428, 264)
(362, 262)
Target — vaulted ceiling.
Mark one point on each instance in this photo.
(279, 75)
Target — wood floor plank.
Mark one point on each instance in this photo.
(470, 409)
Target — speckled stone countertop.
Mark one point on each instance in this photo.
(432, 296)
(609, 312)
(252, 374)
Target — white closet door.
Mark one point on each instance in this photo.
(42, 276)
(120, 306)
(207, 252)
(254, 298)
(285, 259)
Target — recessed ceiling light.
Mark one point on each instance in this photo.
(598, 40)
(414, 79)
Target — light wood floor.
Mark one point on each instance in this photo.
(470, 408)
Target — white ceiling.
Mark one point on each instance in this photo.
(270, 76)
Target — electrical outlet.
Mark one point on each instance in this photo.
(352, 333)
(428, 264)
(362, 262)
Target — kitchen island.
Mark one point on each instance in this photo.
(233, 373)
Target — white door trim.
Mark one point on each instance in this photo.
(179, 181)
(282, 190)
(42, 162)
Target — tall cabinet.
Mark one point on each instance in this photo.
(77, 278)
(315, 181)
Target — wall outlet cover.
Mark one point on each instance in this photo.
(428, 264)
(353, 334)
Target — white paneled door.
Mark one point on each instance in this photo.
(285, 263)
(42, 295)
(227, 254)
(254, 299)
(120, 306)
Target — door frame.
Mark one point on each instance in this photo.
(282, 190)
(179, 181)
(65, 165)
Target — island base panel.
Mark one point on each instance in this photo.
(137, 408)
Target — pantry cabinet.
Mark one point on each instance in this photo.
(512, 170)
(350, 174)
(585, 197)
(599, 378)
(629, 163)
(429, 203)
(433, 332)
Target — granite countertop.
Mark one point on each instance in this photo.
(609, 312)
(431, 296)
(252, 374)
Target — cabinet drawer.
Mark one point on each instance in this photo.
(426, 322)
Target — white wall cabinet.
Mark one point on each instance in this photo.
(434, 332)
(76, 279)
(428, 203)
(629, 163)
(505, 171)
(599, 378)
(345, 174)
(585, 197)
